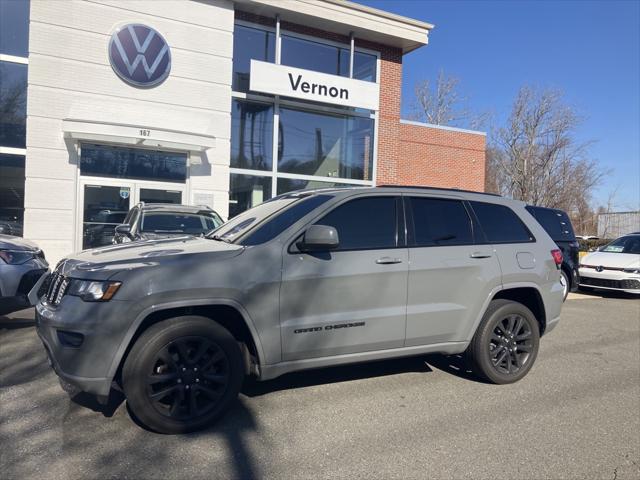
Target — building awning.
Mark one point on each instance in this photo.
(144, 136)
(345, 17)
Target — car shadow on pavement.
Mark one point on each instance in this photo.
(452, 364)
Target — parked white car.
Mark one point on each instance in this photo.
(615, 266)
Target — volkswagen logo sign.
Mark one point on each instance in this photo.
(139, 55)
(599, 268)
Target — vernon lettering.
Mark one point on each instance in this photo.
(318, 88)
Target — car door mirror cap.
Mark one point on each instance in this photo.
(319, 238)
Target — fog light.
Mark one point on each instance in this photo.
(70, 339)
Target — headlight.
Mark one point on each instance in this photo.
(92, 291)
(631, 270)
(16, 257)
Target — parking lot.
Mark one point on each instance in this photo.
(576, 415)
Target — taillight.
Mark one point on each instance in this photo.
(557, 257)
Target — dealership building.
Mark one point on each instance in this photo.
(222, 103)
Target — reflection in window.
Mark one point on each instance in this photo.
(291, 184)
(364, 66)
(315, 56)
(325, 145)
(247, 191)
(138, 163)
(13, 104)
(249, 43)
(14, 27)
(358, 228)
(11, 194)
(251, 135)
(439, 221)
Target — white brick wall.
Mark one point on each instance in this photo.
(70, 77)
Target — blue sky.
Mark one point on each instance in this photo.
(588, 49)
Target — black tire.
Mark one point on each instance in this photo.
(490, 350)
(566, 284)
(182, 374)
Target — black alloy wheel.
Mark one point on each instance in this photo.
(505, 344)
(510, 345)
(188, 378)
(182, 374)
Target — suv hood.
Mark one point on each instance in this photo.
(608, 259)
(102, 263)
(9, 242)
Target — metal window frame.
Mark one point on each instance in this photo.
(277, 102)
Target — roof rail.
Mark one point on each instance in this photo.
(438, 188)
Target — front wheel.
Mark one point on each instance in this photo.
(506, 342)
(181, 374)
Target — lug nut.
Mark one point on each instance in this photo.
(184, 369)
(187, 387)
(197, 380)
(179, 380)
(195, 369)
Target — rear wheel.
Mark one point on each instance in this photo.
(566, 284)
(506, 343)
(181, 374)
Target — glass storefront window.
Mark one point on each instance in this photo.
(13, 104)
(14, 27)
(251, 135)
(247, 191)
(250, 43)
(326, 145)
(316, 56)
(364, 66)
(291, 184)
(11, 194)
(136, 163)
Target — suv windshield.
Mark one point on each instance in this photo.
(255, 216)
(174, 222)
(628, 244)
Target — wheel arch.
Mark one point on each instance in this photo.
(523, 292)
(228, 313)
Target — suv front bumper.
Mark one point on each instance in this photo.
(87, 365)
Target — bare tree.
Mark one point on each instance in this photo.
(440, 103)
(536, 158)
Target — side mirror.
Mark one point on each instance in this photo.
(123, 229)
(319, 238)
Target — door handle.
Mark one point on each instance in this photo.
(388, 261)
(480, 255)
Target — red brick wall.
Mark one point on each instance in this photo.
(439, 158)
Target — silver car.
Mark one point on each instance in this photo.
(22, 264)
(305, 280)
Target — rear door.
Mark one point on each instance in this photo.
(352, 299)
(514, 244)
(450, 276)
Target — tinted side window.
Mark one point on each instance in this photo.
(364, 223)
(500, 224)
(284, 220)
(555, 222)
(440, 222)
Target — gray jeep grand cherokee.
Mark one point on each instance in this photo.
(305, 280)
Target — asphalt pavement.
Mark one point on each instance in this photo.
(576, 415)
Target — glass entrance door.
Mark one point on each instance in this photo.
(106, 203)
(103, 207)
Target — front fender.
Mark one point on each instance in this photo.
(126, 341)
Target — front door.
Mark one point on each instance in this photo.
(351, 299)
(105, 204)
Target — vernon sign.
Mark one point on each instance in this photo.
(309, 85)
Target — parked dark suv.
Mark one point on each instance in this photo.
(151, 221)
(557, 224)
(304, 280)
